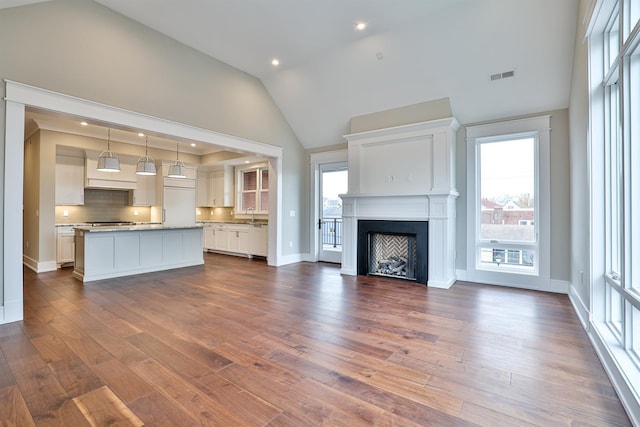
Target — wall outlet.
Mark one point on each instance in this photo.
(292, 213)
(290, 243)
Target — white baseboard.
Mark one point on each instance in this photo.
(348, 271)
(580, 308)
(441, 285)
(287, 259)
(37, 266)
(621, 383)
(536, 283)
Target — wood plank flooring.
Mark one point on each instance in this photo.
(235, 342)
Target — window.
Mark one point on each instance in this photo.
(508, 219)
(507, 181)
(254, 190)
(614, 64)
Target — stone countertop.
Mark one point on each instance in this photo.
(88, 224)
(232, 222)
(138, 227)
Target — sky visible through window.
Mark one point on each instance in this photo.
(507, 169)
(334, 183)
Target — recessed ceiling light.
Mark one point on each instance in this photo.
(84, 123)
(275, 62)
(140, 134)
(360, 26)
(193, 144)
(247, 161)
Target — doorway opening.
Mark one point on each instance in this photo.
(333, 182)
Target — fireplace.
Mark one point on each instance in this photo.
(403, 177)
(396, 249)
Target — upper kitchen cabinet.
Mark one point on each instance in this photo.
(69, 180)
(202, 188)
(221, 187)
(145, 192)
(215, 188)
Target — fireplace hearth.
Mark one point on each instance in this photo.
(396, 249)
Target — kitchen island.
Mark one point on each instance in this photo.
(108, 252)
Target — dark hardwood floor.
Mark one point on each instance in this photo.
(236, 342)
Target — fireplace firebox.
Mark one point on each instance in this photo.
(396, 249)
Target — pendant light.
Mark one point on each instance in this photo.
(146, 165)
(107, 161)
(177, 169)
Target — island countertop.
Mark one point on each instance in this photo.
(133, 227)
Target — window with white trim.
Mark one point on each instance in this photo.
(614, 71)
(508, 200)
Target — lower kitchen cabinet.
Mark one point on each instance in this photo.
(65, 246)
(236, 239)
(258, 239)
(239, 240)
(221, 238)
(208, 237)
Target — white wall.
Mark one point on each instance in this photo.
(579, 122)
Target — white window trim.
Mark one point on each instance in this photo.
(315, 161)
(540, 280)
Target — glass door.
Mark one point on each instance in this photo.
(333, 181)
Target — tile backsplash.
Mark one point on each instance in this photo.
(103, 205)
(214, 214)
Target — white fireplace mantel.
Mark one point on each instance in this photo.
(405, 173)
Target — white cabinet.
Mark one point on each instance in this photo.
(69, 180)
(65, 252)
(238, 236)
(258, 240)
(145, 192)
(239, 239)
(123, 180)
(209, 237)
(175, 198)
(202, 189)
(178, 206)
(221, 187)
(221, 239)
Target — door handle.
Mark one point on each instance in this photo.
(320, 224)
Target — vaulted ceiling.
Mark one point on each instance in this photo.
(411, 51)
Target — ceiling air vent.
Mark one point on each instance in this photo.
(503, 75)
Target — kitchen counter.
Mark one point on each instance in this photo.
(233, 222)
(133, 227)
(106, 252)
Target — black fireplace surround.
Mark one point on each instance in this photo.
(419, 229)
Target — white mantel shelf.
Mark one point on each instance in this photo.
(405, 173)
